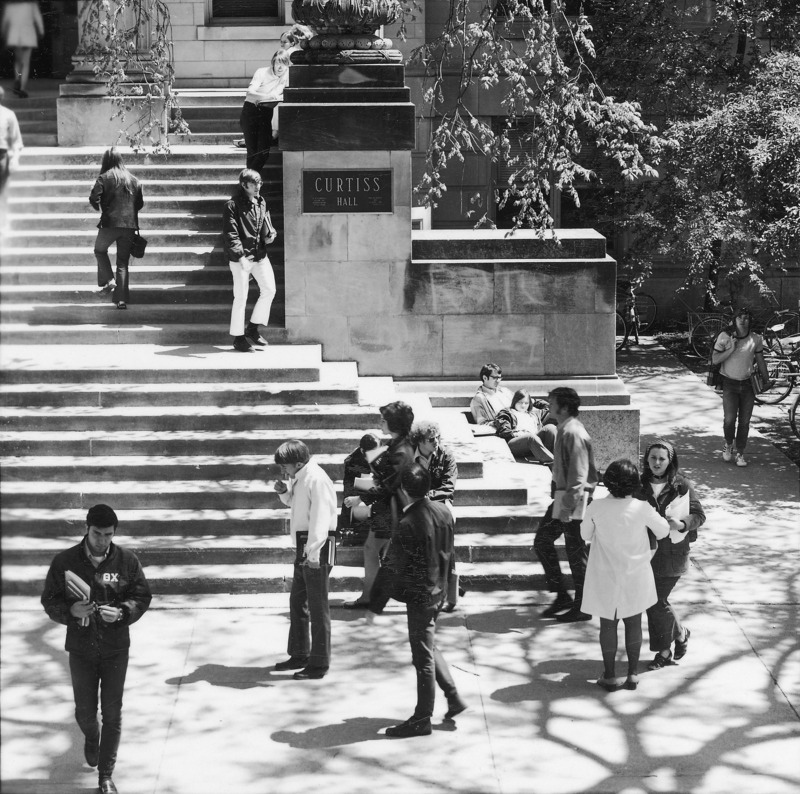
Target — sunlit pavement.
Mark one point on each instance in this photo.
(205, 713)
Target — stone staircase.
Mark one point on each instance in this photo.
(36, 116)
(180, 291)
(151, 411)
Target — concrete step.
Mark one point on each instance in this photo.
(192, 254)
(74, 205)
(185, 222)
(207, 139)
(157, 364)
(211, 335)
(27, 114)
(198, 494)
(168, 442)
(100, 312)
(56, 238)
(159, 467)
(91, 156)
(211, 97)
(224, 122)
(219, 110)
(40, 138)
(256, 550)
(272, 578)
(196, 185)
(140, 524)
(337, 384)
(141, 293)
(146, 274)
(181, 418)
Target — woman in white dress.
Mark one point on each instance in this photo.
(619, 580)
(22, 28)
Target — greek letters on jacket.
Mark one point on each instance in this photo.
(118, 581)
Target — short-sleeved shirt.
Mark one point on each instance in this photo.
(739, 365)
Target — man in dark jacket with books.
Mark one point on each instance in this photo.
(97, 589)
(416, 572)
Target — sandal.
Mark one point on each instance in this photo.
(609, 684)
(681, 646)
(631, 682)
(660, 661)
(122, 305)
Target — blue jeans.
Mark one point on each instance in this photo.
(106, 673)
(544, 544)
(738, 399)
(428, 661)
(310, 616)
(123, 238)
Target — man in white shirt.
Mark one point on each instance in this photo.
(312, 498)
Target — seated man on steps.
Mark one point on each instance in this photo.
(517, 418)
(247, 231)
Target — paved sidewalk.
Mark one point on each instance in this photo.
(206, 714)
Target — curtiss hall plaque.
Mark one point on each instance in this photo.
(352, 190)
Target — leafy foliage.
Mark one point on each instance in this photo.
(128, 45)
(538, 59)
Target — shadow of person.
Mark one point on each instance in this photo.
(222, 675)
(352, 731)
(555, 678)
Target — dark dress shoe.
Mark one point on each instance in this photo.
(660, 661)
(562, 603)
(91, 751)
(573, 616)
(242, 344)
(254, 337)
(107, 786)
(292, 663)
(310, 672)
(455, 706)
(409, 728)
(355, 605)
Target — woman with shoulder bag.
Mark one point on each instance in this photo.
(674, 497)
(738, 350)
(117, 194)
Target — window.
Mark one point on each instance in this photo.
(245, 10)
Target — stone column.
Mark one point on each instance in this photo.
(347, 133)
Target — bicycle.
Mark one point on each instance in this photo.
(636, 313)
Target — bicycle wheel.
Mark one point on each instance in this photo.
(621, 331)
(646, 310)
(704, 334)
(785, 325)
(794, 419)
(781, 383)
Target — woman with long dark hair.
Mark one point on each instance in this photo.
(738, 350)
(666, 489)
(117, 194)
(619, 581)
(384, 497)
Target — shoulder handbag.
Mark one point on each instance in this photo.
(138, 245)
(757, 382)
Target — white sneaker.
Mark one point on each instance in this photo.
(727, 453)
(740, 461)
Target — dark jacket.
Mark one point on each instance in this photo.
(119, 209)
(245, 227)
(388, 469)
(443, 472)
(118, 581)
(506, 420)
(419, 559)
(672, 559)
(355, 465)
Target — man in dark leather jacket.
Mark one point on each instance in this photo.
(97, 590)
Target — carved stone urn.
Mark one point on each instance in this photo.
(345, 30)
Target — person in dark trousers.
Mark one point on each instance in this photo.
(574, 479)
(312, 498)
(416, 570)
(97, 590)
(665, 488)
(247, 231)
(117, 194)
